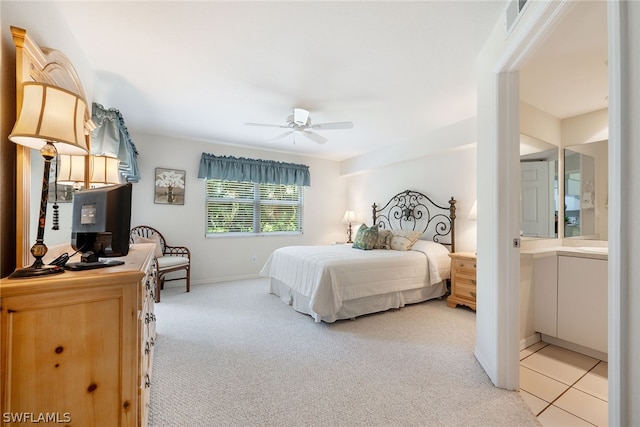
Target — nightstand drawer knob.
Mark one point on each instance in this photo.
(473, 281)
(473, 294)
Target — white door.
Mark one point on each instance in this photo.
(537, 214)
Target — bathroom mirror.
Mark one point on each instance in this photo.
(538, 188)
(586, 198)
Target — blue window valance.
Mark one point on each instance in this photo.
(111, 138)
(253, 170)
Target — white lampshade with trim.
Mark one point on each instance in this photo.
(103, 170)
(51, 114)
(473, 213)
(70, 169)
(349, 217)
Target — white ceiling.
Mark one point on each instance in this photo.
(398, 70)
(567, 75)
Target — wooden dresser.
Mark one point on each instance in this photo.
(463, 279)
(77, 348)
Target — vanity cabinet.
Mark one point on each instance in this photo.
(76, 348)
(582, 301)
(570, 299)
(545, 295)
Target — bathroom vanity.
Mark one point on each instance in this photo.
(570, 296)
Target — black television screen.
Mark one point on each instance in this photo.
(102, 220)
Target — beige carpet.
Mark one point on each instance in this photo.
(231, 354)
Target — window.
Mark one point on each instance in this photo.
(235, 207)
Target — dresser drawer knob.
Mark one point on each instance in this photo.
(473, 281)
(473, 294)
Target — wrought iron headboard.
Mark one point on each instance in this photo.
(412, 210)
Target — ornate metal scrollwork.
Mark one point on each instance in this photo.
(412, 210)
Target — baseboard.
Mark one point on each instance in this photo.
(575, 347)
(490, 372)
(224, 279)
(529, 341)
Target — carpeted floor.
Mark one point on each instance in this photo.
(231, 354)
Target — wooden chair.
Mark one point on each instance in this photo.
(168, 258)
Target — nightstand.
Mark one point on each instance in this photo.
(463, 280)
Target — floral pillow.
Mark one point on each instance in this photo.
(384, 240)
(366, 237)
(403, 240)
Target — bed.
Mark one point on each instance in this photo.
(407, 263)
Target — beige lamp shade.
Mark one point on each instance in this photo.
(51, 114)
(349, 217)
(473, 213)
(103, 170)
(70, 169)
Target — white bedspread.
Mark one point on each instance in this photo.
(329, 275)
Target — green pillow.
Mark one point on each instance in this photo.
(366, 237)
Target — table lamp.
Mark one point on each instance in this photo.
(51, 120)
(349, 218)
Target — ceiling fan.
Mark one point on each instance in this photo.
(300, 122)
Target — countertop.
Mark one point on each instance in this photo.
(593, 252)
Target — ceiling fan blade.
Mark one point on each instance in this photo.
(336, 125)
(284, 135)
(266, 125)
(315, 137)
(300, 116)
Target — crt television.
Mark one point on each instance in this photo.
(101, 220)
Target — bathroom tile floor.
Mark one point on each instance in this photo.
(562, 387)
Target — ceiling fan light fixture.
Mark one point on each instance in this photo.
(300, 121)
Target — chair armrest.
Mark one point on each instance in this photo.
(176, 251)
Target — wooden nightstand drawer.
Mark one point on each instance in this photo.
(465, 264)
(463, 280)
(465, 289)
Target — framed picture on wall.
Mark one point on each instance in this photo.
(169, 186)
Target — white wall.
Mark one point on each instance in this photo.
(223, 258)
(47, 28)
(439, 176)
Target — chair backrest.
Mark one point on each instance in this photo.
(146, 232)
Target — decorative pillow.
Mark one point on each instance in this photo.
(403, 240)
(384, 240)
(366, 237)
(152, 239)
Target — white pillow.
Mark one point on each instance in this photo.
(152, 239)
(403, 240)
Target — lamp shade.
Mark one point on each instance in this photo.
(103, 170)
(349, 217)
(473, 213)
(51, 114)
(70, 169)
